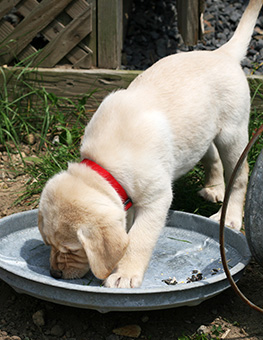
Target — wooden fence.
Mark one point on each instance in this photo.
(80, 34)
(76, 33)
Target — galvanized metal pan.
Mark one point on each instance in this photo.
(188, 243)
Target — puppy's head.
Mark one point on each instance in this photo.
(84, 228)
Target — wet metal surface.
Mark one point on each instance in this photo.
(188, 245)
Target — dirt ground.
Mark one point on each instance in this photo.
(23, 317)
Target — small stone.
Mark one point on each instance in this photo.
(247, 71)
(214, 311)
(56, 140)
(145, 318)
(56, 330)
(4, 186)
(39, 318)
(30, 139)
(112, 337)
(132, 331)
(235, 16)
(202, 330)
(4, 212)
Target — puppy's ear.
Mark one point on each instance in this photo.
(41, 226)
(104, 247)
(40, 221)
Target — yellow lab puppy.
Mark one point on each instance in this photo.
(186, 108)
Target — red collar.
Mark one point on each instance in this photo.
(114, 183)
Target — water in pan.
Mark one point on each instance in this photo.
(178, 252)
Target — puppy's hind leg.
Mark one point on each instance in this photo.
(214, 178)
(230, 147)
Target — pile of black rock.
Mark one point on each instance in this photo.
(153, 34)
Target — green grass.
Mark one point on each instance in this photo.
(41, 114)
(215, 333)
(56, 124)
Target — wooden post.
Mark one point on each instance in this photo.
(91, 39)
(110, 33)
(189, 12)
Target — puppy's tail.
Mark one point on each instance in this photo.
(238, 44)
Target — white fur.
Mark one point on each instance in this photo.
(186, 108)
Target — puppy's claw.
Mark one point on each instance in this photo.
(122, 281)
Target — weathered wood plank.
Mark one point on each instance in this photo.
(75, 8)
(255, 83)
(69, 37)
(74, 83)
(28, 53)
(25, 7)
(26, 30)
(84, 61)
(189, 20)
(110, 33)
(91, 39)
(6, 6)
(81, 53)
(48, 32)
(75, 56)
(5, 29)
(51, 30)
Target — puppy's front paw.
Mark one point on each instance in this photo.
(117, 280)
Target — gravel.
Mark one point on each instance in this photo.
(153, 34)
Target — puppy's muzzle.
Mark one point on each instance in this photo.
(57, 274)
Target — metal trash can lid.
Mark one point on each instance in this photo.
(254, 211)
